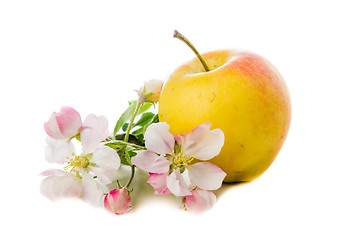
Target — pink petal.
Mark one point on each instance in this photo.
(159, 183)
(69, 121)
(52, 128)
(64, 124)
(159, 139)
(206, 175)
(94, 130)
(177, 185)
(179, 139)
(151, 162)
(199, 201)
(202, 143)
(118, 201)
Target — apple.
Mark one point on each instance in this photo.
(242, 94)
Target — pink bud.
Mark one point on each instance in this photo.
(199, 201)
(151, 91)
(118, 201)
(64, 124)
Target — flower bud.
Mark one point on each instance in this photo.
(150, 92)
(118, 201)
(64, 124)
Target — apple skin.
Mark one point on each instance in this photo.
(244, 95)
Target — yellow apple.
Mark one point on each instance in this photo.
(244, 95)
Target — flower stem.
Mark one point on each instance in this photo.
(132, 175)
(178, 35)
(133, 116)
(119, 185)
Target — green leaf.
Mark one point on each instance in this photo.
(144, 107)
(124, 127)
(115, 144)
(145, 118)
(154, 120)
(125, 116)
(138, 131)
(140, 138)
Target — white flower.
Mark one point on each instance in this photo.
(95, 157)
(169, 157)
(95, 165)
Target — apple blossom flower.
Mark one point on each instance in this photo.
(64, 124)
(118, 201)
(151, 91)
(168, 159)
(96, 161)
(199, 201)
(103, 161)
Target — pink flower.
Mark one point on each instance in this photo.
(199, 201)
(118, 201)
(64, 124)
(169, 157)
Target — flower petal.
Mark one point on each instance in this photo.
(69, 121)
(60, 185)
(199, 201)
(104, 163)
(52, 128)
(151, 162)
(177, 185)
(94, 130)
(57, 150)
(159, 183)
(64, 124)
(159, 139)
(92, 191)
(206, 175)
(202, 143)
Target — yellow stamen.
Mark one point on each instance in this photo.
(180, 159)
(76, 162)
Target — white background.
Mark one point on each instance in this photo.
(92, 54)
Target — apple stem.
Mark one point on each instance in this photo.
(178, 35)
